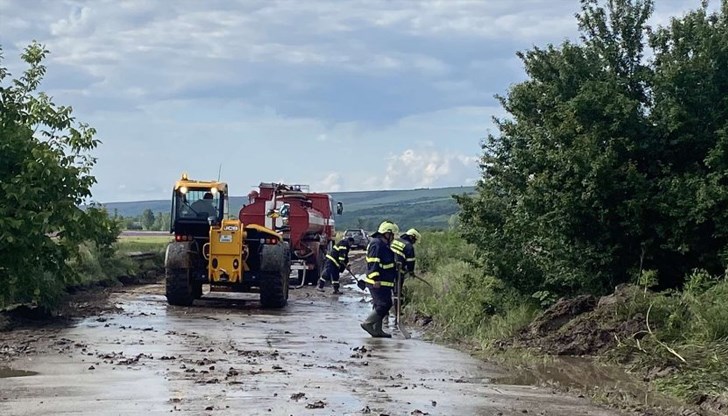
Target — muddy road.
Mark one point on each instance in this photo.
(227, 356)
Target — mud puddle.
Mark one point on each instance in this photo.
(570, 372)
(584, 375)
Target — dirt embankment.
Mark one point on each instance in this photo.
(583, 325)
(593, 327)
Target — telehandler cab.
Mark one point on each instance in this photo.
(210, 248)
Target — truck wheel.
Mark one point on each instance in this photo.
(179, 288)
(275, 264)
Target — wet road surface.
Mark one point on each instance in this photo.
(226, 356)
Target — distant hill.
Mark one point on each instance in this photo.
(424, 208)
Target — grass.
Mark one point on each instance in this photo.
(130, 244)
(687, 342)
(463, 303)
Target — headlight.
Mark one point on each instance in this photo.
(213, 190)
(183, 190)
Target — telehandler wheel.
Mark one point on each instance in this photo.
(274, 291)
(275, 264)
(197, 290)
(180, 291)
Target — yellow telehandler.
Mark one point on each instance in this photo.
(209, 248)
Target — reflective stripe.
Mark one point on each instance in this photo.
(339, 248)
(373, 274)
(410, 259)
(328, 256)
(388, 266)
(373, 260)
(398, 247)
(372, 282)
(342, 258)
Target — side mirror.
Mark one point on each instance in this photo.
(339, 208)
(212, 220)
(285, 210)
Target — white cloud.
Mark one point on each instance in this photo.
(425, 168)
(361, 94)
(331, 183)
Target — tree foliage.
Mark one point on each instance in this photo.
(45, 175)
(610, 163)
(148, 219)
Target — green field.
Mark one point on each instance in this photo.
(424, 208)
(145, 243)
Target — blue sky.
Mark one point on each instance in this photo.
(342, 95)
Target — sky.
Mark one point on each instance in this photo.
(340, 95)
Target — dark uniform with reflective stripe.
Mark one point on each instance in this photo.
(336, 261)
(405, 251)
(381, 269)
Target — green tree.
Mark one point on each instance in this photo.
(166, 221)
(45, 175)
(608, 163)
(148, 219)
(158, 222)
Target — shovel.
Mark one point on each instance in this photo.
(359, 283)
(398, 308)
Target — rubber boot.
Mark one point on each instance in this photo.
(379, 332)
(369, 323)
(321, 284)
(336, 289)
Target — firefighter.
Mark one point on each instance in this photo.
(336, 261)
(380, 277)
(404, 248)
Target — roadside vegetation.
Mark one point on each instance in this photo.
(144, 244)
(48, 244)
(600, 223)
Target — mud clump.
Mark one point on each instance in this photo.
(420, 319)
(316, 405)
(717, 405)
(561, 313)
(583, 325)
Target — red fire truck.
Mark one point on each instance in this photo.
(306, 220)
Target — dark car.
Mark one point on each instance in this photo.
(361, 238)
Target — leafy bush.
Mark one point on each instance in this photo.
(609, 164)
(45, 175)
(439, 247)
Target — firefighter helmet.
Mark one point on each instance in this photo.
(413, 233)
(387, 227)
